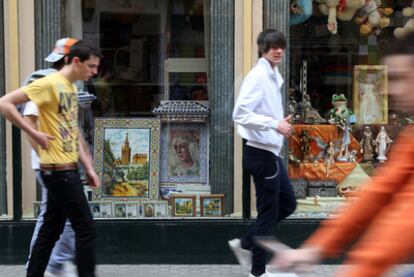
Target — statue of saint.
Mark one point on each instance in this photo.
(382, 144)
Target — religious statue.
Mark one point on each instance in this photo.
(382, 144)
(367, 144)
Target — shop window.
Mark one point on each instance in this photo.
(338, 96)
(148, 126)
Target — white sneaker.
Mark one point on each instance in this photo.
(69, 270)
(263, 275)
(49, 274)
(279, 274)
(243, 256)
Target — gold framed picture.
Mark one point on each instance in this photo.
(212, 205)
(183, 205)
(371, 94)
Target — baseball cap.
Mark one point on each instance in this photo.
(61, 49)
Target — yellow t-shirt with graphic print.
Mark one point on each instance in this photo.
(56, 99)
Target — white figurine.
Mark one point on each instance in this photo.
(382, 144)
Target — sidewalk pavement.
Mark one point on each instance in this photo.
(185, 270)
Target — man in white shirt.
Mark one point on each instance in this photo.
(260, 118)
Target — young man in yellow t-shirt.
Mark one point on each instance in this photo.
(59, 149)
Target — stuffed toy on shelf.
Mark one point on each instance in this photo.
(343, 10)
(352, 6)
(373, 17)
(408, 27)
(331, 8)
(300, 11)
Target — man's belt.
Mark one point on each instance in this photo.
(58, 167)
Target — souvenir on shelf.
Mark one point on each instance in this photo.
(303, 111)
(353, 156)
(330, 157)
(292, 107)
(373, 18)
(311, 114)
(367, 144)
(340, 114)
(382, 142)
(305, 140)
(408, 27)
(330, 8)
(339, 9)
(293, 159)
(343, 118)
(300, 11)
(370, 94)
(327, 153)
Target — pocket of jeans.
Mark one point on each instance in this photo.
(274, 175)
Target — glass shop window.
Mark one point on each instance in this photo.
(338, 97)
(152, 51)
(155, 66)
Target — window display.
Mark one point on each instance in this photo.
(336, 78)
(156, 65)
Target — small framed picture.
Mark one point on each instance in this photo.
(155, 208)
(140, 210)
(183, 205)
(132, 209)
(95, 209)
(36, 209)
(120, 210)
(106, 210)
(212, 205)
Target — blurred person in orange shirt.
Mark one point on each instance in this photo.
(379, 222)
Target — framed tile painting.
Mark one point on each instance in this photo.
(183, 205)
(127, 157)
(212, 205)
(185, 146)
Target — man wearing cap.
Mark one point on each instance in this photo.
(63, 254)
(59, 144)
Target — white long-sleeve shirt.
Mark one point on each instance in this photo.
(259, 108)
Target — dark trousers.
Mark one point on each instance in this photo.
(65, 199)
(275, 199)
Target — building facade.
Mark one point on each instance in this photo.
(161, 131)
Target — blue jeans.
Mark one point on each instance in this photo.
(64, 249)
(275, 200)
(410, 274)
